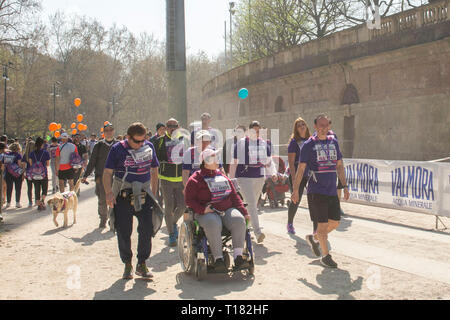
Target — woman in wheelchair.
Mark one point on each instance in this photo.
(213, 198)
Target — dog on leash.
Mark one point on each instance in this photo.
(63, 202)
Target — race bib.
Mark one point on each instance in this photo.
(139, 160)
(220, 188)
(257, 156)
(8, 159)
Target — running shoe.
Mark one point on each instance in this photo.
(18, 205)
(172, 240)
(328, 262)
(128, 272)
(218, 266)
(240, 263)
(8, 205)
(30, 205)
(290, 228)
(142, 271)
(315, 247)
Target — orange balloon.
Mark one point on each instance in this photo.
(101, 130)
(57, 134)
(77, 102)
(52, 127)
(80, 127)
(73, 125)
(74, 131)
(80, 117)
(85, 127)
(59, 126)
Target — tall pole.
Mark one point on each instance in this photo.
(54, 102)
(226, 57)
(176, 61)
(231, 40)
(250, 30)
(4, 106)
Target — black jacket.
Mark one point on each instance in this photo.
(98, 158)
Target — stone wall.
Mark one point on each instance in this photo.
(387, 91)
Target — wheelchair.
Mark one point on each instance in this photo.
(195, 253)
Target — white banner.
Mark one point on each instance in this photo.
(404, 185)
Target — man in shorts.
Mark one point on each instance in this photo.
(322, 155)
(64, 169)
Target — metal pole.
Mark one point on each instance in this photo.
(4, 106)
(226, 58)
(250, 31)
(54, 102)
(231, 39)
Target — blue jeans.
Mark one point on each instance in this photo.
(124, 213)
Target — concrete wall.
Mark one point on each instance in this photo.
(390, 88)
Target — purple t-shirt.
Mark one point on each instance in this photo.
(138, 162)
(42, 156)
(252, 156)
(321, 157)
(295, 147)
(11, 157)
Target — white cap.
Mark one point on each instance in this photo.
(208, 152)
(203, 135)
(64, 136)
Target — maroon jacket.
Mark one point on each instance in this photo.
(197, 195)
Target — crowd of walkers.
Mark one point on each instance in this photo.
(197, 169)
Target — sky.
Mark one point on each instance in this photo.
(204, 18)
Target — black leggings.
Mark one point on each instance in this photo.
(38, 185)
(294, 206)
(30, 191)
(10, 182)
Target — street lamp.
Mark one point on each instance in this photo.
(54, 98)
(5, 76)
(113, 103)
(232, 12)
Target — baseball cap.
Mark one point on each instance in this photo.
(254, 124)
(206, 115)
(207, 153)
(203, 135)
(64, 136)
(159, 126)
(109, 124)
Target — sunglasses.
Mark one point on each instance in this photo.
(137, 141)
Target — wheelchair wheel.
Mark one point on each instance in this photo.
(200, 269)
(186, 247)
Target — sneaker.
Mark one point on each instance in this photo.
(18, 205)
(8, 205)
(327, 261)
(315, 247)
(290, 228)
(30, 205)
(219, 266)
(240, 263)
(175, 230)
(172, 240)
(128, 272)
(260, 237)
(142, 271)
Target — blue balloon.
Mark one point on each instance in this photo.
(243, 93)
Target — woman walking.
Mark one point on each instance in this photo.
(299, 136)
(14, 173)
(39, 161)
(29, 147)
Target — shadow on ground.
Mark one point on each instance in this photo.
(214, 285)
(334, 282)
(139, 291)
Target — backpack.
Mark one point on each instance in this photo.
(75, 160)
(14, 170)
(37, 170)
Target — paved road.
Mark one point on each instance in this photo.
(382, 254)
